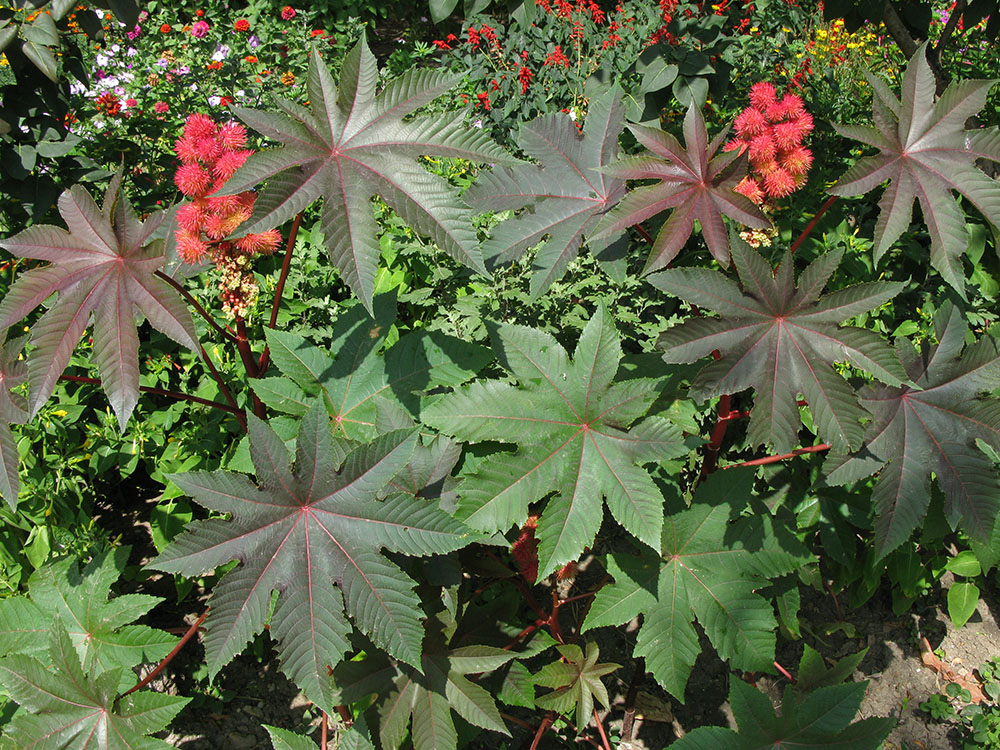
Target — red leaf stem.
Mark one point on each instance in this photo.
(785, 673)
(224, 388)
(812, 224)
(324, 729)
(249, 364)
(711, 461)
(286, 265)
(160, 392)
(542, 729)
(600, 729)
(189, 298)
(169, 657)
(782, 457)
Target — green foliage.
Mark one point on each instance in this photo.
(299, 532)
(820, 720)
(575, 681)
(572, 422)
(709, 564)
(304, 467)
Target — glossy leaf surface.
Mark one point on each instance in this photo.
(708, 568)
(693, 181)
(564, 195)
(932, 429)
(781, 339)
(571, 422)
(352, 143)
(925, 153)
(301, 531)
(104, 265)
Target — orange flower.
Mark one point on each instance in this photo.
(288, 78)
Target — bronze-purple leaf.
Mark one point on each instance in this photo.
(104, 265)
(693, 182)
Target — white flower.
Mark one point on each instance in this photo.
(131, 52)
(102, 60)
(221, 52)
(572, 114)
(115, 48)
(241, 93)
(76, 88)
(214, 101)
(477, 124)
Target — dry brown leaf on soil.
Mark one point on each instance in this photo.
(966, 681)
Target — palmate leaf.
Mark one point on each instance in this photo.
(299, 532)
(61, 707)
(933, 430)
(103, 265)
(564, 193)
(693, 181)
(13, 410)
(100, 630)
(424, 700)
(352, 144)
(708, 567)
(571, 423)
(820, 721)
(782, 339)
(576, 682)
(358, 375)
(926, 153)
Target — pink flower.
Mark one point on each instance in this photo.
(287, 13)
(161, 108)
(130, 102)
(200, 29)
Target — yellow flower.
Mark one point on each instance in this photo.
(288, 78)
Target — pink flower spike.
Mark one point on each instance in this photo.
(779, 183)
(762, 95)
(232, 136)
(192, 180)
(199, 126)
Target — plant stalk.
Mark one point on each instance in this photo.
(286, 265)
(168, 658)
(189, 298)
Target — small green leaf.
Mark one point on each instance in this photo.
(965, 563)
(962, 600)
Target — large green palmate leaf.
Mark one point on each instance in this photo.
(820, 721)
(61, 707)
(693, 182)
(13, 410)
(571, 422)
(300, 532)
(564, 195)
(358, 378)
(352, 144)
(926, 153)
(576, 682)
(782, 339)
(709, 566)
(100, 630)
(103, 265)
(933, 430)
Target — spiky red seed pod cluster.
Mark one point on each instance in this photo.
(210, 154)
(525, 550)
(772, 132)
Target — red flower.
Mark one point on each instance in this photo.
(225, 101)
(109, 104)
(242, 25)
(524, 75)
(441, 44)
(199, 12)
(484, 99)
(161, 108)
(165, 28)
(287, 13)
(318, 32)
(251, 58)
(556, 57)
(130, 102)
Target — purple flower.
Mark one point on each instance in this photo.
(183, 70)
(253, 41)
(134, 33)
(199, 30)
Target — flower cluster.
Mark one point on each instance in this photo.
(210, 154)
(772, 132)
